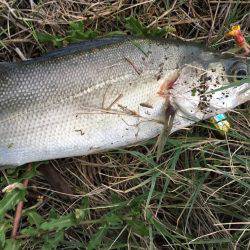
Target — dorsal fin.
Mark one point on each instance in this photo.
(81, 46)
(69, 50)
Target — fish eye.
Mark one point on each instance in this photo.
(239, 71)
(241, 74)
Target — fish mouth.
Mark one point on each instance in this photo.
(243, 93)
(235, 97)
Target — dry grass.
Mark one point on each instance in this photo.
(197, 196)
(192, 20)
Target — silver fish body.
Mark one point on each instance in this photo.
(100, 95)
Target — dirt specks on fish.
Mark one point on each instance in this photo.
(160, 72)
(11, 145)
(204, 99)
(80, 131)
(194, 90)
(146, 105)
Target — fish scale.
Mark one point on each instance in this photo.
(88, 97)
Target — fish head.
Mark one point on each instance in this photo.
(206, 88)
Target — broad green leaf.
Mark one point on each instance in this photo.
(135, 26)
(78, 25)
(78, 36)
(97, 238)
(4, 227)
(52, 242)
(44, 37)
(10, 200)
(53, 214)
(30, 173)
(31, 231)
(34, 218)
(11, 244)
(114, 221)
(76, 32)
(56, 40)
(63, 222)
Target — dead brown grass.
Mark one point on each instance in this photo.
(192, 20)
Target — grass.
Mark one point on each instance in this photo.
(196, 197)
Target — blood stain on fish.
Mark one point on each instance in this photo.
(167, 84)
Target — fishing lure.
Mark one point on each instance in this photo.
(221, 123)
(239, 38)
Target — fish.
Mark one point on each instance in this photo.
(109, 93)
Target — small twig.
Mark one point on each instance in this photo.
(20, 53)
(195, 14)
(229, 1)
(164, 14)
(228, 8)
(188, 21)
(32, 4)
(211, 31)
(11, 41)
(137, 70)
(191, 39)
(132, 6)
(115, 101)
(19, 210)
